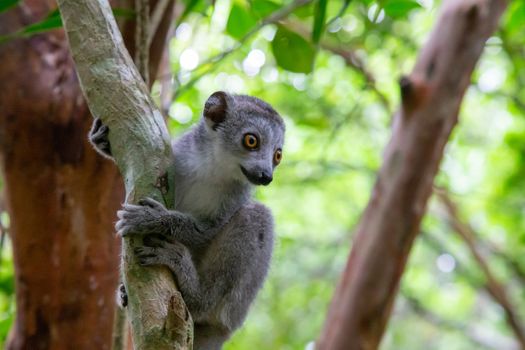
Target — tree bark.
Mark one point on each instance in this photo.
(60, 195)
(141, 147)
(431, 98)
(65, 251)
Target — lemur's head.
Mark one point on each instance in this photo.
(248, 136)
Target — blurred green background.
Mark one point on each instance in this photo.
(338, 97)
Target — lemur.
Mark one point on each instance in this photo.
(216, 240)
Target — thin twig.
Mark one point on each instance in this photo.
(438, 246)
(477, 336)
(494, 287)
(511, 262)
(142, 38)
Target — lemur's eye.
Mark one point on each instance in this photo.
(250, 141)
(277, 156)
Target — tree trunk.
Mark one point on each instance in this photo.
(61, 196)
(431, 97)
(142, 150)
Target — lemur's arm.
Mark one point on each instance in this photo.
(151, 217)
(219, 291)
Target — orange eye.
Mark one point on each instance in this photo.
(250, 141)
(277, 156)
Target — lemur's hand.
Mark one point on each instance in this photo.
(161, 250)
(148, 217)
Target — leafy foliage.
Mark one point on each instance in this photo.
(240, 22)
(400, 8)
(7, 4)
(319, 20)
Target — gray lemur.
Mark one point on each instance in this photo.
(217, 241)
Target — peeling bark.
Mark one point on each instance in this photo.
(431, 97)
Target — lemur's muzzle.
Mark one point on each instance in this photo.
(257, 177)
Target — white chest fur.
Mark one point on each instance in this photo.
(198, 198)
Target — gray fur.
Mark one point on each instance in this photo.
(217, 241)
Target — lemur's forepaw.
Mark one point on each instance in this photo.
(148, 217)
(158, 250)
(98, 136)
(122, 296)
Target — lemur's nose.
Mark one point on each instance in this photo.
(265, 178)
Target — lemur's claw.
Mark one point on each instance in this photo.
(98, 136)
(122, 296)
(144, 219)
(150, 202)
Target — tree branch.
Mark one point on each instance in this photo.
(140, 144)
(431, 97)
(476, 334)
(495, 289)
(513, 264)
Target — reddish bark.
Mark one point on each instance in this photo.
(431, 97)
(60, 195)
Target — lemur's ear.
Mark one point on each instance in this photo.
(215, 108)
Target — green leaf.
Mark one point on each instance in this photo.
(292, 52)
(52, 21)
(400, 8)
(515, 17)
(304, 11)
(190, 6)
(7, 4)
(240, 21)
(319, 20)
(124, 13)
(263, 8)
